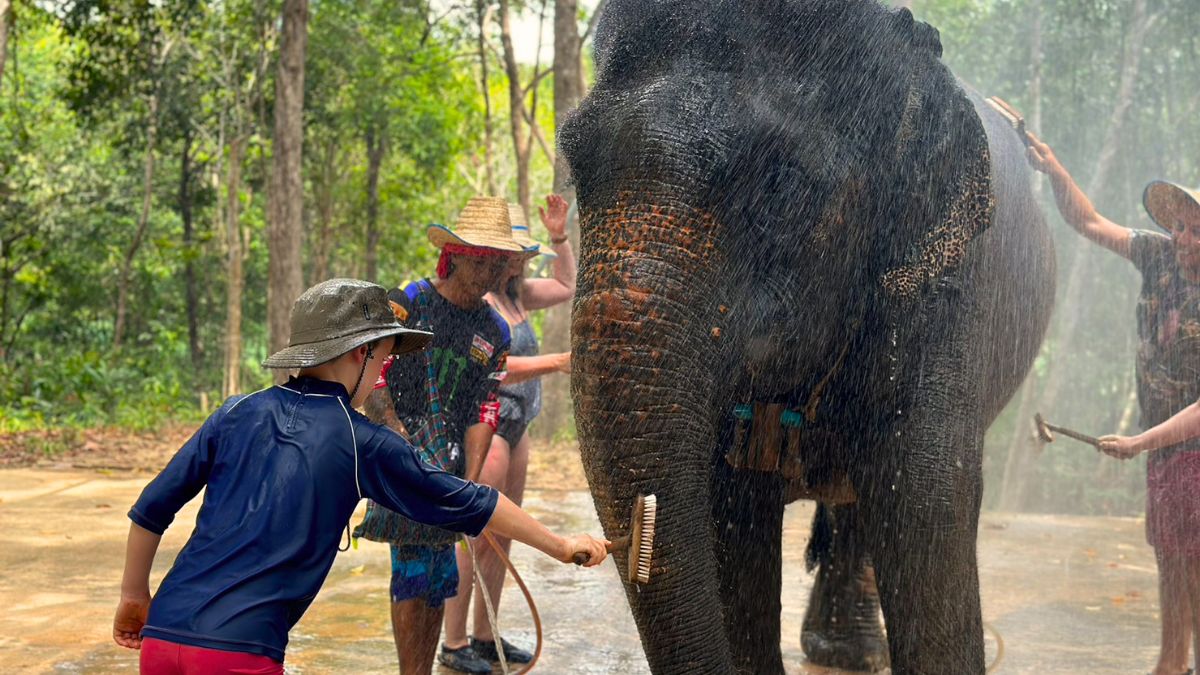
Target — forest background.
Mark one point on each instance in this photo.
(173, 173)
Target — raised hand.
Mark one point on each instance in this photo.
(1040, 156)
(554, 216)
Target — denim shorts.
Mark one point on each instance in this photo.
(511, 430)
(430, 574)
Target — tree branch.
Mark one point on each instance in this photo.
(591, 25)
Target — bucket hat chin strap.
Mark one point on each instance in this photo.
(362, 371)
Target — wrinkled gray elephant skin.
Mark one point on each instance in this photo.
(794, 203)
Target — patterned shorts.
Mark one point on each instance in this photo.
(1173, 505)
(423, 572)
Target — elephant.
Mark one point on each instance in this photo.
(811, 266)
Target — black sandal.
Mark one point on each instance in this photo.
(464, 660)
(512, 653)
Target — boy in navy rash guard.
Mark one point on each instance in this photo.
(284, 469)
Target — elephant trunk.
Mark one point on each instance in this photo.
(645, 356)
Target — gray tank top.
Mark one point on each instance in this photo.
(522, 402)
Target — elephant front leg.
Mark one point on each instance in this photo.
(748, 521)
(842, 627)
(921, 508)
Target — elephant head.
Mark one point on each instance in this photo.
(762, 187)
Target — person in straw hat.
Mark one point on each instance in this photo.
(1168, 382)
(283, 470)
(469, 356)
(514, 297)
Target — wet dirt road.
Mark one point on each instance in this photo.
(1067, 595)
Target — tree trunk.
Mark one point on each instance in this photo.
(123, 278)
(568, 92)
(235, 276)
(323, 189)
(189, 240)
(5, 11)
(1037, 61)
(285, 223)
(483, 12)
(376, 141)
(516, 105)
(568, 74)
(1071, 305)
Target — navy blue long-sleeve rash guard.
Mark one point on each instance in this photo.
(283, 477)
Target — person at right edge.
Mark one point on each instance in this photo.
(1168, 381)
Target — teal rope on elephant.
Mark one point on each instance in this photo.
(790, 419)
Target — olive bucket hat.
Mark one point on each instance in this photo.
(337, 316)
(1169, 204)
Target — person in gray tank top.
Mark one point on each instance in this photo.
(520, 402)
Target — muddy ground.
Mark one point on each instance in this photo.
(1065, 594)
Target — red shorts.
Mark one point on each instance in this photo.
(1173, 505)
(160, 657)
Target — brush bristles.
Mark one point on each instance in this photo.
(646, 510)
(1006, 111)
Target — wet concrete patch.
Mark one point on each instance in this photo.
(1068, 595)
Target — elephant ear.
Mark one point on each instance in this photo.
(941, 188)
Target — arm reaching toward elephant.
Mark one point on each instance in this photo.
(544, 293)
(1074, 205)
(525, 368)
(1183, 426)
(508, 520)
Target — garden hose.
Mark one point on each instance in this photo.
(493, 621)
(999, 647)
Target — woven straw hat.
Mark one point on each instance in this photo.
(520, 232)
(1168, 203)
(337, 316)
(483, 223)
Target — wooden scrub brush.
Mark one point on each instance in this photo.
(639, 542)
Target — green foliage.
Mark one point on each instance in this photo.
(74, 112)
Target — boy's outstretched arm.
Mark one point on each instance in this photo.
(393, 475)
(135, 587)
(509, 520)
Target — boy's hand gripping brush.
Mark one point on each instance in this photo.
(639, 542)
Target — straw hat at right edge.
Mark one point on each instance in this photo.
(1170, 204)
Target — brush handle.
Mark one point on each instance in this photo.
(1090, 440)
(618, 544)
